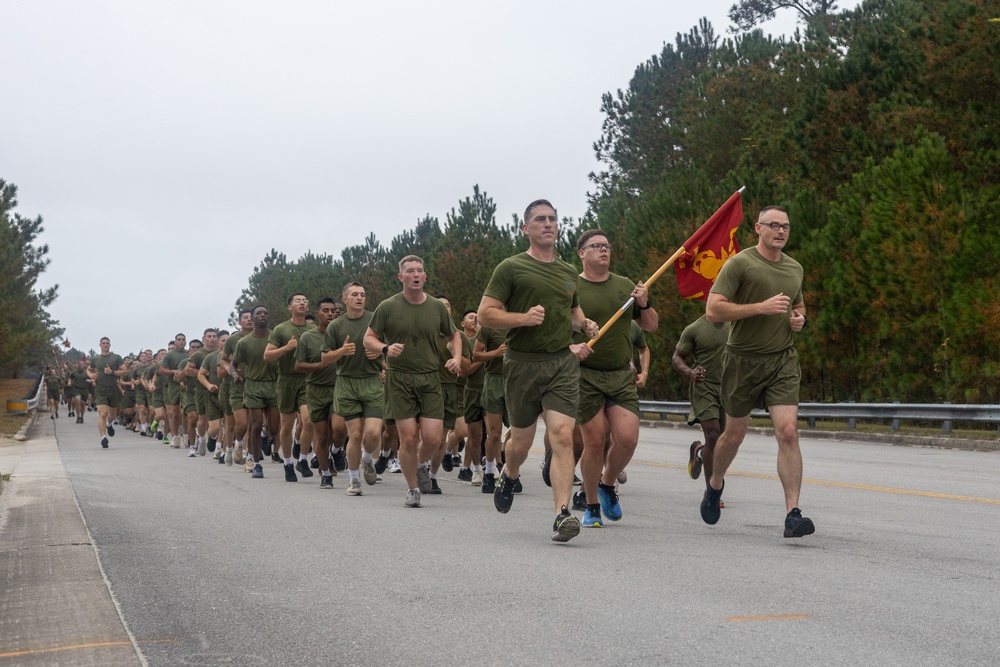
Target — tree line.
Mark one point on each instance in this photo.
(876, 127)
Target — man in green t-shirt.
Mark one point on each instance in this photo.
(405, 328)
(290, 388)
(211, 386)
(237, 419)
(533, 295)
(187, 376)
(167, 372)
(321, 381)
(257, 376)
(698, 358)
(359, 397)
(79, 383)
(105, 369)
(53, 387)
(474, 373)
(609, 401)
(760, 292)
(490, 347)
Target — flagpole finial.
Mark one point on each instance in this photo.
(742, 189)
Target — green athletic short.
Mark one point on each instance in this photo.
(473, 404)
(52, 395)
(236, 395)
(603, 389)
(291, 393)
(158, 397)
(413, 395)
(213, 406)
(759, 381)
(77, 392)
(141, 397)
(127, 399)
(259, 395)
(360, 397)
(320, 401)
(225, 398)
(706, 403)
(201, 399)
(493, 400)
(538, 381)
(454, 399)
(187, 402)
(109, 397)
(172, 393)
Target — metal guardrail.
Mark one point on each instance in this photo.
(946, 413)
(25, 405)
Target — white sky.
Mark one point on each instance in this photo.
(169, 146)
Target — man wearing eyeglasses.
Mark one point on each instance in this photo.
(609, 400)
(760, 292)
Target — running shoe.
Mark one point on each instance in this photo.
(394, 466)
(489, 483)
(314, 462)
(296, 449)
(609, 502)
(622, 477)
(221, 459)
(465, 475)
(577, 481)
(228, 458)
(202, 447)
(424, 479)
(797, 525)
(546, 468)
(580, 500)
(248, 465)
(276, 456)
(211, 445)
(258, 471)
(354, 488)
(566, 526)
(104, 441)
(456, 460)
(477, 478)
(517, 485)
(111, 430)
(435, 489)
(591, 520)
(503, 494)
(381, 463)
(265, 445)
(339, 460)
(303, 467)
(368, 472)
(239, 455)
(326, 482)
(694, 461)
(412, 498)
(192, 451)
(447, 464)
(710, 510)
(290, 475)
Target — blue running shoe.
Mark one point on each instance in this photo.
(592, 520)
(609, 502)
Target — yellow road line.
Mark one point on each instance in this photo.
(737, 619)
(15, 654)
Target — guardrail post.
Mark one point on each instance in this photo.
(852, 422)
(811, 421)
(946, 424)
(895, 422)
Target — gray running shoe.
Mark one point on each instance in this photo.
(202, 447)
(412, 498)
(354, 488)
(424, 479)
(368, 470)
(566, 526)
(229, 457)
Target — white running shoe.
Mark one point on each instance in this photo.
(477, 477)
(394, 466)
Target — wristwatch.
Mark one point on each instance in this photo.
(385, 349)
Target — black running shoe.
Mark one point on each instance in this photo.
(517, 486)
(547, 467)
(694, 463)
(210, 445)
(489, 483)
(456, 460)
(797, 525)
(326, 482)
(276, 457)
(447, 464)
(159, 435)
(461, 445)
(565, 527)
(710, 510)
(465, 475)
(290, 473)
(104, 442)
(143, 434)
(258, 471)
(580, 501)
(435, 489)
(340, 460)
(296, 450)
(303, 467)
(577, 481)
(111, 430)
(314, 462)
(381, 463)
(265, 445)
(503, 494)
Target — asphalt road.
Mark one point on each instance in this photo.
(211, 567)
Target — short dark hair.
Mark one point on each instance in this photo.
(180, 334)
(309, 317)
(212, 329)
(244, 310)
(293, 295)
(442, 296)
(104, 338)
(771, 208)
(586, 236)
(536, 203)
(255, 308)
(197, 342)
(222, 332)
(470, 310)
(355, 283)
(325, 299)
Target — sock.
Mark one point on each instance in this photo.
(433, 476)
(476, 468)
(365, 456)
(595, 509)
(303, 457)
(239, 443)
(386, 453)
(491, 467)
(335, 450)
(325, 473)
(355, 474)
(289, 461)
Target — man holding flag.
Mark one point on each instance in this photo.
(760, 292)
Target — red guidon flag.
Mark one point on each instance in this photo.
(708, 249)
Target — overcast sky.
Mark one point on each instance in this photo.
(169, 146)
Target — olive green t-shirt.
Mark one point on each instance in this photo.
(310, 350)
(479, 375)
(522, 282)
(358, 365)
(749, 278)
(53, 383)
(228, 350)
(211, 364)
(444, 354)
(249, 359)
(705, 341)
(600, 301)
(280, 336)
(101, 361)
(418, 327)
(78, 379)
(173, 360)
(492, 339)
(196, 360)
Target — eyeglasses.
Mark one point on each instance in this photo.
(775, 226)
(598, 246)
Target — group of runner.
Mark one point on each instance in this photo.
(401, 388)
